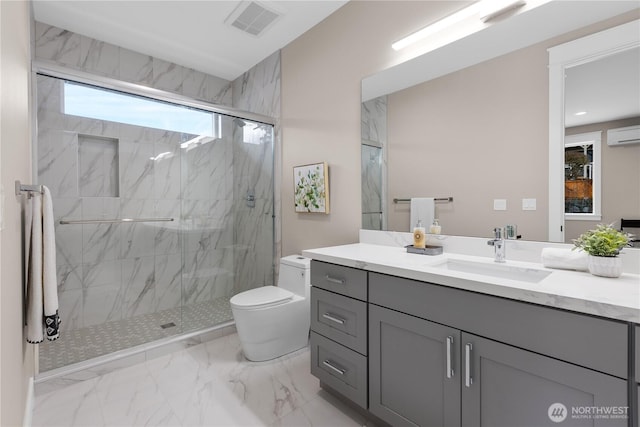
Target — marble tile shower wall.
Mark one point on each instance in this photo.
(258, 91)
(82, 53)
(248, 251)
(112, 271)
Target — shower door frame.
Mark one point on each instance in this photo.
(52, 70)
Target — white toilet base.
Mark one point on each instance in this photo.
(272, 332)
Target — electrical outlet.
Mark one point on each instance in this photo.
(499, 204)
(528, 204)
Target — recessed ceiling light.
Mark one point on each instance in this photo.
(581, 113)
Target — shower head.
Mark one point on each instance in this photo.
(238, 122)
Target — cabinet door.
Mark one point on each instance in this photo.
(506, 386)
(409, 383)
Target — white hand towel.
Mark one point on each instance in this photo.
(35, 306)
(564, 259)
(49, 273)
(422, 208)
(42, 283)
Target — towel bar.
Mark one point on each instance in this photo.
(437, 199)
(112, 221)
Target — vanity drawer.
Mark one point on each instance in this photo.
(339, 318)
(339, 279)
(588, 341)
(342, 369)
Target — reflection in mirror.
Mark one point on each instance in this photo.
(374, 141)
(480, 135)
(582, 174)
(601, 179)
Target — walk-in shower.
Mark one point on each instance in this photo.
(163, 211)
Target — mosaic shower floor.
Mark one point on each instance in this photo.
(93, 341)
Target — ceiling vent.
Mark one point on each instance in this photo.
(252, 17)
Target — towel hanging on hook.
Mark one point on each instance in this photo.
(42, 283)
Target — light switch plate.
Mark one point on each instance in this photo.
(499, 204)
(528, 204)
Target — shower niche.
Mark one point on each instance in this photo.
(98, 174)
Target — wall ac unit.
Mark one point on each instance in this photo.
(623, 136)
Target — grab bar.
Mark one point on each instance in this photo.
(112, 221)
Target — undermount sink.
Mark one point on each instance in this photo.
(502, 271)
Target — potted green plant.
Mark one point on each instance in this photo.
(603, 246)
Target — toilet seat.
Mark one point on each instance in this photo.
(265, 296)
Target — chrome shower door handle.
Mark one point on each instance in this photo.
(449, 367)
(468, 379)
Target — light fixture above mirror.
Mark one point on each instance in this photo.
(471, 18)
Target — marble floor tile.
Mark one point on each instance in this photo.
(209, 384)
(323, 411)
(76, 405)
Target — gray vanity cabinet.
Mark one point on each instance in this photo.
(505, 386)
(637, 372)
(414, 375)
(339, 329)
(439, 356)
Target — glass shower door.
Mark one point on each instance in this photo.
(185, 177)
(227, 212)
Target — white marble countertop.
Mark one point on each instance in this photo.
(581, 292)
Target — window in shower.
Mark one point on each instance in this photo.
(104, 104)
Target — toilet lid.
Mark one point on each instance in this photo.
(259, 297)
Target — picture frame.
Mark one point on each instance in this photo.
(311, 188)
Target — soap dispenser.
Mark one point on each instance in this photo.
(435, 227)
(419, 239)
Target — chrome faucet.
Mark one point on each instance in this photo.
(498, 244)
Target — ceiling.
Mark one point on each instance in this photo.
(606, 89)
(189, 33)
(194, 34)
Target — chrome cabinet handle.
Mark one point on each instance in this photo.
(335, 319)
(468, 380)
(450, 372)
(334, 280)
(335, 369)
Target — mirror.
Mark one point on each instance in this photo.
(478, 133)
(594, 87)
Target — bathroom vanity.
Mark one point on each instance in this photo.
(455, 340)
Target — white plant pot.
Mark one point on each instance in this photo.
(605, 266)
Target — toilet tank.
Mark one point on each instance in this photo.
(294, 274)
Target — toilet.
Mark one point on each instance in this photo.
(274, 320)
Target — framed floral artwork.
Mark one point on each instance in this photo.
(311, 188)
